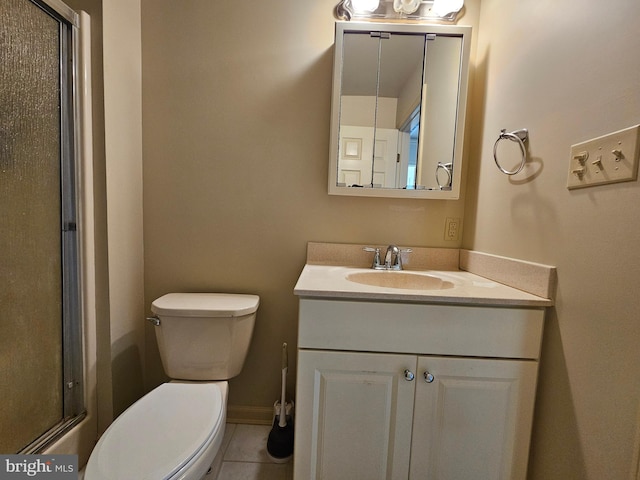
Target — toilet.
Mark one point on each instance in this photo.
(175, 431)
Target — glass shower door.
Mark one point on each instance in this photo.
(35, 203)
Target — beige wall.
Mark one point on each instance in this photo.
(236, 105)
(123, 177)
(235, 139)
(568, 71)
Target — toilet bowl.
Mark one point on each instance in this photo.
(175, 431)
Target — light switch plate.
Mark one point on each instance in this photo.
(611, 158)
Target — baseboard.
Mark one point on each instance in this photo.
(250, 415)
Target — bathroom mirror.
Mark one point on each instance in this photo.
(398, 110)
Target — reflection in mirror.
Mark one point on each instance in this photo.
(379, 105)
(398, 110)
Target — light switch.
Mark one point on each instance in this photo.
(611, 158)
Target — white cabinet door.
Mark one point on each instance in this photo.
(473, 420)
(353, 416)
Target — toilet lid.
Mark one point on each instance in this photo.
(205, 304)
(159, 434)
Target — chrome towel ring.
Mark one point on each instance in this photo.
(519, 136)
(448, 169)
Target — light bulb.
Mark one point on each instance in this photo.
(365, 5)
(406, 6)
(442, 8)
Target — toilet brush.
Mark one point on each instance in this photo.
(280, 441)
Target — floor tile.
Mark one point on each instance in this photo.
(253, 471)
(248, 444)
(229, 430)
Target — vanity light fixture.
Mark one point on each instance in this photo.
(438, 10)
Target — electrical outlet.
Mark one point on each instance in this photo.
(452, 228)
(608, 159)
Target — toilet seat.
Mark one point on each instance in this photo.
(163, 434)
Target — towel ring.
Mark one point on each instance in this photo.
(448, 168)
(519, 136)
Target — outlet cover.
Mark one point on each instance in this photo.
(452, 229)
(611, 158)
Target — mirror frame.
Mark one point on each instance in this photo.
(346, 27)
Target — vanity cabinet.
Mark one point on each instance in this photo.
(414, 391)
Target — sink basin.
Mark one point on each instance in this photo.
(402, 280)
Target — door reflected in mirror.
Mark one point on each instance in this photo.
(398, 105)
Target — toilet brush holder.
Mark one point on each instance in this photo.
(280, 441)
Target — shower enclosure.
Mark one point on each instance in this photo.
(40, 338)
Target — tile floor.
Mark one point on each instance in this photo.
(243, 455)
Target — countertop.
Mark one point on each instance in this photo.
(329, 281)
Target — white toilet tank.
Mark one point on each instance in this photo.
(204, 336)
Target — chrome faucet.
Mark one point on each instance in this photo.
(393, 252)
(392, 259)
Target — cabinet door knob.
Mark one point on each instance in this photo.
(428, 377)
(408, 375)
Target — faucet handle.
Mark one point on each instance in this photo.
(376, 258)
(399, 257)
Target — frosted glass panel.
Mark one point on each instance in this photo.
(30, 246)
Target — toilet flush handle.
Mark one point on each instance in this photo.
(155, 320)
